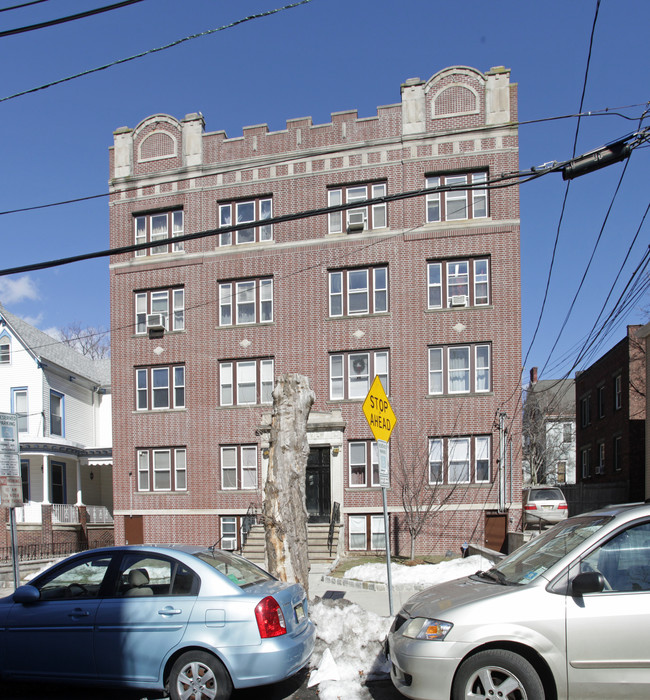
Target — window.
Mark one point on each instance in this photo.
(352, 373)
(170, 303)
(246, 302)
(618, 453)
(360, 218)
(458, 283)
(232, 528)
(78, 579)
(600, 467)
(239, 467)
(600, 397)
(361, 526)
(160, 387)
(585, 411)
(246, 382)
(151, 575)
(5, 350)
(459, 369)
(364, 463)
(150, 228)
(561, 473)
(567, 432)
(24, 478)
(618, 392)
(359, 291)
(459, 460)
(19, 407)
(255, 210)
(466, 198)
(585, 458)
(162, 469)
(57, 424)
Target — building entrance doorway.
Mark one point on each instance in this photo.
(317, 491)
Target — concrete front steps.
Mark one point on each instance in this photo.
(317, 536)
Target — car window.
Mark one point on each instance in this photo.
(149, 575)
(545, 495)
(78, 579)
(236, 569)
(624, 561)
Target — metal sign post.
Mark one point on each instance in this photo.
(381, 420)
(11, 485)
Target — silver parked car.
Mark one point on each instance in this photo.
(543, 505)
(566, 617)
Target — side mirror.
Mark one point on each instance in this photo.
(588, 582)
(26, 594)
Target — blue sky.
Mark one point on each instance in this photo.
(322, 57)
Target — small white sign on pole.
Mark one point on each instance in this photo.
(11, 487)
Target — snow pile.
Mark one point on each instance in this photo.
(349, 649)
(421, 575)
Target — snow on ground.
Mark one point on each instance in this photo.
(349, 639)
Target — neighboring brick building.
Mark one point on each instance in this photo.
(422, 291)
(610, 433)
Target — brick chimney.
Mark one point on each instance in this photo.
(533, 375)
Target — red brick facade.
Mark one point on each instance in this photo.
(180, 470)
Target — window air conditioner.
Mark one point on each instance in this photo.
(600, 469)
(356, 220)
(458, 300)
(155, 322)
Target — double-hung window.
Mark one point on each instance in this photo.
(169, 303)
(57, 424)
(159, 388)
(363, 459)
(358, 291)
(459, 460)
(150, 228)
(461, 196)
(460, 369)
(618, 392)
(19, 406)
(246, 302)
(367, 532)
(5, 350)
(358, 218)
(162, 469)
(352, 373)
(246, 382)
(457, 283)
(253, 212)
(239, 467)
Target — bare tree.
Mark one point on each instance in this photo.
(92, 342)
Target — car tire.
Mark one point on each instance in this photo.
(497, 673)
(199, 675)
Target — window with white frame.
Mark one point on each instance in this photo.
(460, 369)
(57, 423)
(162, 469)
(358, 218)
(363, 461)
(585, 411)
(618, 453)
(463, 196)
(567, 432)
(19, 406)
(158, 226)
(238, 467)
(169, 303)
(231, 532)
(458, 283)
(585, 458)
(367, 532)
(618, 392)
(600, 467)
(245, 302)
(159, 388)
(358, 291)
(352, 373)
(252, 211)
(460, 460)
(246, 382)
(5, 350)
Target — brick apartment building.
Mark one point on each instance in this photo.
(422, 291)
(610, 431)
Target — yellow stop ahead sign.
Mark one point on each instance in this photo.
(378, 411)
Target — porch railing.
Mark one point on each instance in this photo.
(99, 515)
(65, 513)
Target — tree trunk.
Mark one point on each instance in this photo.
(284, 509)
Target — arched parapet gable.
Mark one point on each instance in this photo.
(454, 92)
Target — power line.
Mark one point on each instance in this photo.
(90, 71)
(69, 18)
(21, 6)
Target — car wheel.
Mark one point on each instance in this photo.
(197, 675)
(497, 673)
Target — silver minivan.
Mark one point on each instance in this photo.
(566, 617)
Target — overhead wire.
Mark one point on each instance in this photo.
(22, 5)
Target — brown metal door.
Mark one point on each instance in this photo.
(495, 531)
(133, 529)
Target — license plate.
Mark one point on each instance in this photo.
(300, 612)
(547, 507)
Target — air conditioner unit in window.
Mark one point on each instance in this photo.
(155, 322)
(600, 469)
(458, 300)
(356, 220)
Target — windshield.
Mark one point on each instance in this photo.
(541, 553)
(237, 569)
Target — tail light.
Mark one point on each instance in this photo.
(562, 506)
(530, 506)
(270, 619)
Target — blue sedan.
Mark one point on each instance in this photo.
(192, 621)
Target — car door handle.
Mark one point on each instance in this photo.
(78, 612)
(170, 611)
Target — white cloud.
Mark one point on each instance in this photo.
(15, 290)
